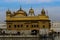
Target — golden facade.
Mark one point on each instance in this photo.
(20, 20)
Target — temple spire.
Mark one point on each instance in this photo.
(20, 8)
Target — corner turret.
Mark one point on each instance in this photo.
(8, 13)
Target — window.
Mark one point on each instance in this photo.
(32, 26)
(18, 33)
(18, 26)
(37, 25)
(15, 26)
(3, 32)
(9, 26)
(43, 26)
(49, 26)
(21, 25)
(26, 25)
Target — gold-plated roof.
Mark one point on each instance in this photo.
(21, 15)
(20, 11)
(29, 18)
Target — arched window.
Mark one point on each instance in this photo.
(3, 32)
(37, 25)
(18, 26)
(34, 32)
(26, 25)
(18, 33)
(31, 25)
(9, 26)
(15, 26)
(21, 25)
(34, 25)
(43, 26)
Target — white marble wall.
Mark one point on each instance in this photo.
(43, 31)
(55, 26)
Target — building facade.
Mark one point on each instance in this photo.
(25, 23)
(55, 26)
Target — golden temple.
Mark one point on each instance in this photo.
(20, 20)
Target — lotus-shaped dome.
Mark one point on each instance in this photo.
(20, 11)
(31, 11)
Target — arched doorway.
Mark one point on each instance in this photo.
(18, 33)
(34, 32)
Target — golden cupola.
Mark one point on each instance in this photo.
(43, 12)
(31, 12)
(22, 12)
(8, 12)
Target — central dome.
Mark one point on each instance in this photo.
(20, 11)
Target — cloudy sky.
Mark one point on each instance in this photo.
(52, 6)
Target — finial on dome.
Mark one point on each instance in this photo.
(8, 11)
(20, 8)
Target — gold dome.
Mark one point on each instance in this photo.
(31, 11)
(20, 11)
(43, 12)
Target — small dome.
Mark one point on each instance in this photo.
(31, 11)
(43, 12)
(8, 11)
(20, 11)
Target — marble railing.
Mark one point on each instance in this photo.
(19, 35)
